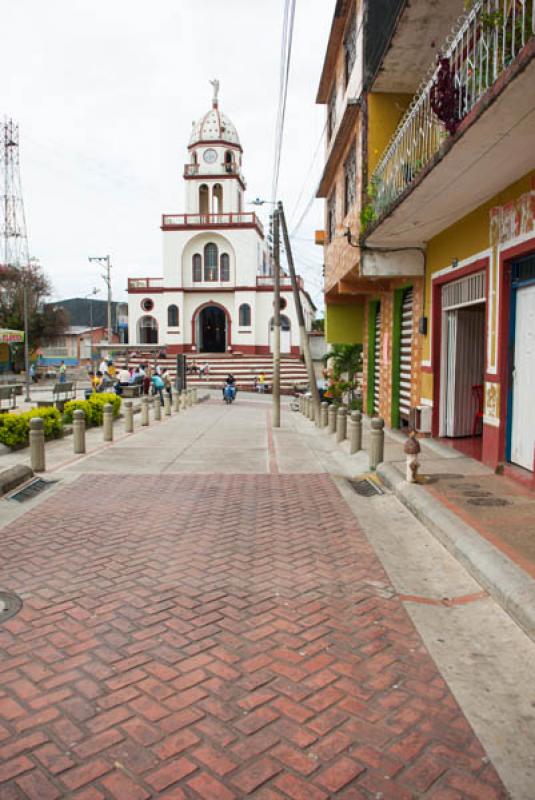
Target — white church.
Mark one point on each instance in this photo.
(216, 293)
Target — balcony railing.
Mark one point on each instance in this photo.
(212, 220)
(488, 40)
(144, 283)
(285, 281)
(191, 169)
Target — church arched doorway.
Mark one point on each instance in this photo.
(211, 330)
(147, 330)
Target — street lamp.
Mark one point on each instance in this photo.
(94, 291)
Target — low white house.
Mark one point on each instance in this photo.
(216, 291)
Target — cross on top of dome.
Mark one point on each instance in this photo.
(214, 126)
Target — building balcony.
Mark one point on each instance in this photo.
(199, 171)
(177, 222)
(144, 284)
(467, 132)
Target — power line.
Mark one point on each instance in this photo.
(309, 172)
(286, 53)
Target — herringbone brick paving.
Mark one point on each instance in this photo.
(217, 637)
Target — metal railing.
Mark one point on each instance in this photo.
(144, 283)
(285, 281)
(215, 220)
(487, 41)
(191, 169)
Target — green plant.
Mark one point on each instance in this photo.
(15, 428)
(346, 359)
(93, 408)
(367, 216)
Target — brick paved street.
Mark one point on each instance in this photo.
(217, 636)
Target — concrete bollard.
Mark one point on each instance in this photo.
(176, 402)
(167, 404)
(355, 432)
(377, 442)
(128, 416)
(145, 419)
(301, 403)
(37, 445)
(324, 411)
(183, 400)
(157, 405)
(341, 425)
(189, 397)
(195, 398)
(305, 406)
(311, 409)
(331, 419)
(78, 431)
(107, 422)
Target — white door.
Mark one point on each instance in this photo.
(523, 423)
(286, 336)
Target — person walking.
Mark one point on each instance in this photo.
(158, 386)
(168, 384)
(62, 372)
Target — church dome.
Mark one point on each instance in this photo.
(214, 126)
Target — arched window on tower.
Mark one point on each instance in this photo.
(204, 199)
(217, 199)
(229, 161)
(172, 316)
(244, 315)
(224, 267)
(197, 268)
(210, 262)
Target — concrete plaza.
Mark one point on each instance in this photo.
(211, 611)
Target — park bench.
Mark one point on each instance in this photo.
(60, 394)
(7, 398)
(132, 390)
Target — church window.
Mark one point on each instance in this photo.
(331, 112)
(225, 267)
(204, 199)
(331, 216)
(350, 179)
(350, 46)
(210, 262)
(197, 268)
(172, 316)
(229, 161)
(245, 315)
(147, 304)
(217, 199)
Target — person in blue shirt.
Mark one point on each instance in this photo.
(157, 386)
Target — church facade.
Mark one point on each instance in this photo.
(216, 292)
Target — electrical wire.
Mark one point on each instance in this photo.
(309, 172)
(286, 54)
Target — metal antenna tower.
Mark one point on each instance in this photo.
(13, 235)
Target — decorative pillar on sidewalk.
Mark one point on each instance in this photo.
(107, 422)
(341, 425)
(78, 431)
(331, 419)
(145, 419)
(324, 410)
(377, 442)
(128, 416)
(355, 432)
(167, 404)
(37, 445)
(157, 408)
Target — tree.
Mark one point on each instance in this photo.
(346, 359)
(318, 325)
(44, 324)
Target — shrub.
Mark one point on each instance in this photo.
(93, 408)
(15, 428)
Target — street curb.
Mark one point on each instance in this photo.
(509, 585)
(11, 477)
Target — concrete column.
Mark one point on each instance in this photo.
(107, 422)
(145, 419)
(377, 442)
(128, 416)
(355, 432)
(331, 419)
(341, 425)
(37, 445)
(176, 402)
(78, 431)
(167, 404)
(324, 411)
(157, 407)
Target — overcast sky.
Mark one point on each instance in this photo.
(105, 93)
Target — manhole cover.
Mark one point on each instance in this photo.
(10, 604)
(366, 488)
(488, 502)
(30, 490)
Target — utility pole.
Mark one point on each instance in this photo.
(305, 342)
(105, 261)
(276, 342)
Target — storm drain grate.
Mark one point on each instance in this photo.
(488, 502)
(10, 604)
(31, 489)
(366, 488)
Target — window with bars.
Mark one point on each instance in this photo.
(210, 263)
(350, 179)
(350, 46)
(224, 267)
(197, 268)
(331, 112)
(331, 216)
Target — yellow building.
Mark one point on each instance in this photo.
(447, 223)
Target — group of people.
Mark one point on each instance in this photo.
(202, 370)
(150, 380)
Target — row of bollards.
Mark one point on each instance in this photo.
(342, 426)
(181, 401)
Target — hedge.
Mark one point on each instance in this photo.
(93, 408)
(15, 428)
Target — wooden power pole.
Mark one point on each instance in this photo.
(276, 341)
